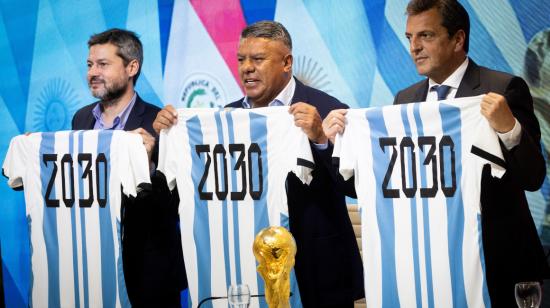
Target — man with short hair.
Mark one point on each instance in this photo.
(438, 33)
(151, 246)
(328, 264)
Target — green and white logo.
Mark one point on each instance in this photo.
(201, 90)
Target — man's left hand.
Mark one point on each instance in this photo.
(307, 118)
(495, 109)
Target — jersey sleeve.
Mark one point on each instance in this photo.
(343, 153)
(486, 146)
(15, 162)
(166, 164)
(136, 172)
(304, 159)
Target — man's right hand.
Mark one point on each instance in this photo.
(166, 118)
(334, 123)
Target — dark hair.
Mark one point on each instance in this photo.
(268, 29)
(453, 15)
(128, 43)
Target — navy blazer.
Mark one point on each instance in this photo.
(328, 264)
(511, 245)
(151, 246)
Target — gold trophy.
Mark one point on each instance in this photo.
(274, 248)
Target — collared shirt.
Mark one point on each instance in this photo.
(120, 120)
(284, 98)
(510, 139)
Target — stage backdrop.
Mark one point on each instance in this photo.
(355, 50)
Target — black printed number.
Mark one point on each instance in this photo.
(407, 157)
(250, 168)
(86, 178)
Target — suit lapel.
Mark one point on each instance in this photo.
(89, 122)
(422, 94)
(299, 92)
(135, 118)
(470, 82)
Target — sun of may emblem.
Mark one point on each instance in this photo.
(55, 106)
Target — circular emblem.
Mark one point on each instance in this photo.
(55, 106)
(311, 73)
(201, 90)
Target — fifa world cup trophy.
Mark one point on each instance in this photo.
(274, 249)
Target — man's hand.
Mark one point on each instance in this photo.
(335, 123)
(167, 117)
(495, 109)
(307, 118)
(148, 141)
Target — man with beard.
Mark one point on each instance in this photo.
(151, 249)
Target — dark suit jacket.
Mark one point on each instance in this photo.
(328, 264)
(151, 245)
(511, 245)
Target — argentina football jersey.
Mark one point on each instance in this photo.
(230, 168)
(72, 182)
(417, 171)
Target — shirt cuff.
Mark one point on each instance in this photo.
(320, 147)
(511, 138)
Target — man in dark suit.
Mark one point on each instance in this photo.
(151, 246)
(328, 264)
(438, 33)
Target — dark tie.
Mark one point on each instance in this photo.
(442, 91)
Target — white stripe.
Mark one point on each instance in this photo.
(507, 33)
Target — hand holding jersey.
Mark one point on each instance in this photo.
(417, 171)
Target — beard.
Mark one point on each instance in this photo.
(110, 92)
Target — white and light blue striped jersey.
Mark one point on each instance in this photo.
(230, 168)
(72, 184)
(417, 174)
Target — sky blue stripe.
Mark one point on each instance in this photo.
(452, 125)
(425, 211)
(108, 262)
(236, 235)
(333, 18)
(122, 292)
(47, 146)
(384, 210)
(414, 220)
(258, 134)
(225, 224)
(483, 48)
(73, 217)
(393, 60)
(201, 229)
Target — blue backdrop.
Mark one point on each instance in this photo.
(356, 50)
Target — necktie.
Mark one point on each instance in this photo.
(442, 91)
